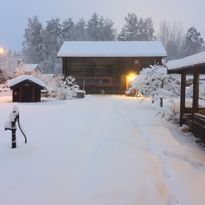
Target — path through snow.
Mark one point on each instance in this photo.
(101, 150)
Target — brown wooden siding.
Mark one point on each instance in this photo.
(114, 67)
(26, 92)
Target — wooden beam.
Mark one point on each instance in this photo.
(195, 104)
(183, 95)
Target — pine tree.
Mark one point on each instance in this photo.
(52, 41)
(130, 30)
(93, 27)
(146, 29)
(100, 29)
(193, 42)
(41, 45)
(137, 29)
(80, 31)
(68, 27)
(33, 41)
(107, 30)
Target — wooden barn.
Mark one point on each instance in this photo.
(194, 114)
(26, 88)
(108, 66)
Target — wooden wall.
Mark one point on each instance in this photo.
(26, 92)
(115, 67)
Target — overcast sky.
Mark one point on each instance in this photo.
(15, 13)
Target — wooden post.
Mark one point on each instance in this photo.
(161, 99)
(183, 96)
(195, 104)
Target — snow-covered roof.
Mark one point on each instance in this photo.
(189, 61)
(30, 67)
(22, 78)
(112, 49)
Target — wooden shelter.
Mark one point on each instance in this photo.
(26, 88)
(106, 66)
(194, 116)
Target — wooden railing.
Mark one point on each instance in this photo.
(198, 126)
(95, 81)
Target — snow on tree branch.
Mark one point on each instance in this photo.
(154, 82)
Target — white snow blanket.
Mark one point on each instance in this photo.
(101, 150)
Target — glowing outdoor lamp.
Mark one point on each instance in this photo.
(129, 78)
(2, 51)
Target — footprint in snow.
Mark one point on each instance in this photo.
(197, 165)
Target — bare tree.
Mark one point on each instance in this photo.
(172, 37)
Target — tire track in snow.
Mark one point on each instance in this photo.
(127, 115)
(143, 128)
(113, 137)
(170, 152)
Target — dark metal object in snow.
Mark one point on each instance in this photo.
(11, 125)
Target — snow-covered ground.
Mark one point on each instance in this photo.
(100, 150)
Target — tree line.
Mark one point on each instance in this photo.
(41, 43)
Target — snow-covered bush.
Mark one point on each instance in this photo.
(170, 111)
(202, 91)
(60, 86)
(50, 82)
(156, 83)
(133, 92)
(7, 65)
(2, 77)
(189, 91)
(65, 87)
